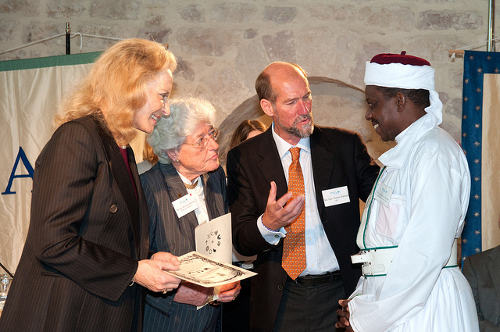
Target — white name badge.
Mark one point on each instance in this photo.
(383, 193)
(184, 205)
(335, 196)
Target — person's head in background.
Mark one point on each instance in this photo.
(246, 129)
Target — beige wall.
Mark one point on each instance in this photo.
(222, 45)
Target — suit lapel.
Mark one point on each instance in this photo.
(213, 196)
(120, 175)
(323, 165)
(142, 206)
(119, 170)
(176, 190)
(322, 159)
(269, 162)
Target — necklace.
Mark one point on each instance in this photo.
(191, 185)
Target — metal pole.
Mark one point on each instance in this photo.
(68, 38)
(491, 26)
(8, 272)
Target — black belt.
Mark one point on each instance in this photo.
(312, 280)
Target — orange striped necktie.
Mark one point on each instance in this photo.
(294, 245)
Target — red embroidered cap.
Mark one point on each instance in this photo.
(403, 58)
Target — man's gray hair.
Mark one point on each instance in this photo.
(171, 132)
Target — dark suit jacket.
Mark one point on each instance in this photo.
(483, 273)
(87, 232)
(162, 185)
(338, 159)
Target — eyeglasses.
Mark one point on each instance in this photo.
(202, 142)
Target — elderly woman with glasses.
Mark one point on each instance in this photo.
(188, 163)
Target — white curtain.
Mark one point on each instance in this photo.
(490, 189)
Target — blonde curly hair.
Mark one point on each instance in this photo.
(115, 86)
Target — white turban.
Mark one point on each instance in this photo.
(398, 75)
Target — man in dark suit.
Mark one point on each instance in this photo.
(483, 273)
(320, 219)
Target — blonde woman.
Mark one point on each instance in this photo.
(86, 253)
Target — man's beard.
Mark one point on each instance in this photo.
(306, 131)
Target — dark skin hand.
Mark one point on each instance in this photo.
(343, 314)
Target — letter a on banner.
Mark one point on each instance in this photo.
(20, 156)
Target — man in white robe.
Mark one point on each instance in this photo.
(415, 212)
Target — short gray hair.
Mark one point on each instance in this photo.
(171, 132)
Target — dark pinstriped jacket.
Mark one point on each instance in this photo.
(86, 234)
(162, 185)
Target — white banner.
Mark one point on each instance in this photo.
(490, 186)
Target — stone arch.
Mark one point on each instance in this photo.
(335, 104)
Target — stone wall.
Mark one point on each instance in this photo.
(223, 45)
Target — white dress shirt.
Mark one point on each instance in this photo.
(199, 196)
(320, 257)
